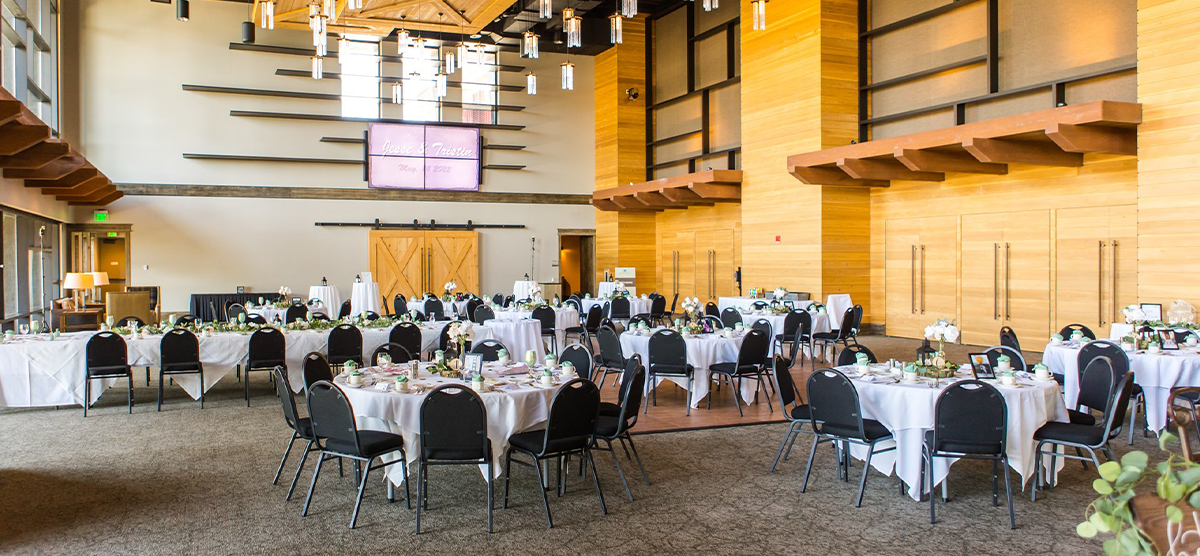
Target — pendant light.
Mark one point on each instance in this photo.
(440, 82)
(268, 15)
(629, 8)
(531, 83)
(759, 7)
(318, 67)
(710, 5)
(574, 26)
(342, 50)
(450, 61)
(462, 43)
(183, 10)
(529, 44)
(568, 76)
(614, 28)
(545, 9)
(397, 93)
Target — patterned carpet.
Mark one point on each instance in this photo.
(197, 481)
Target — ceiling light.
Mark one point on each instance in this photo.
(759, 7)
(531, 83)
(529, 44)
(183, 10)
(614, 28)
(268, 15)
(568, 76)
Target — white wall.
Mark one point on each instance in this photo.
(135, 121)
(14, 194)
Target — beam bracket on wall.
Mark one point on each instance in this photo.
(678, 192)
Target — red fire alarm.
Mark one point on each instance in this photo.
(776, 239)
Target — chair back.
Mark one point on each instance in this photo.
(638, 320)
(619, 308)
(399, 305)
(407, 334)
(1008, 337)
(594, 316)
(370, 316)
(757, 305)
(633, 391)
(785, 386)
(610, 347)
(1096, 384)
(434, 309)
(572, 419)
(295, 312)
(482, 314)
(490, 349)
(473, 304)
(545, 315)
(1120, 404)
(858, 317)
(1116, 356)
(268, 348)
(255, 318)
(668, 351)
(316, 369)
(345, 310)
(730, 317)
(753, 351)
(658, 306)
(573, 302)
(845, 330)
(453, 425)
(711, 323)
(711, 308)
(345, 344)
(849, 356)
(397, 352)
(1015, 358)
(508, 300)
(331, 416)
(179, 349)
(233, 310)
(107, 354)
(833, 402)
(498, 299)
(580, 357)
(186, 320)
(792, 322)
(130, 303)
(124, 321)
(764, 325)
(1070, 328)
(288, 400)
(970, 417)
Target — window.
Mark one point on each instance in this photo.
(479, 88)
(359, 61)
(31, 268)
(30, 56)
(420, 68)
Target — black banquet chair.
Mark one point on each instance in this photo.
(610, 359)
(316, 368)
(616, 427)
(434, 309)
(1008, 337)
(397, 352)
(345, 310)
(179, 354)
(793, 407)
(1071, 328)
(730, 317)
(301, 427)
(408, 335)
(453, 428)
(489, 349)
(399, 305)
(970, 421)
(580, 357)
(482, 314)
(345, 344)
(619, 309)
(749, 366)
(570, 429)
(836, 417)
(338, 436)
(267, 350)
(545, 315)
(849, 356)
(107, 357)
(668, 359)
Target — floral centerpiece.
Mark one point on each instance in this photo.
(285, 297)
(535, 293)
(942, 331)
(449, 288)
(460, 332)
(779, 293)
(691, 307)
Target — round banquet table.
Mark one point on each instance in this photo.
(564, 317)
(637, 305)
(523, 289)
(703, 350)
(450, 308)
(516, 406)
(606, 289)
(907, 410)
(1157, 374)
(518, 336)
(364, 296)
(329, 297)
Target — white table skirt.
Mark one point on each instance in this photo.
(508, 412)
(637, 305)
(522, 289)
(606, 289)
(518, 336)
(329, 297)
(564, 317)
(1156, 374)
(908, 411)
(702, 352)
(364, 296)
(836, 304)
(450, 308)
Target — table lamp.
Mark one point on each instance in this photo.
(78, 281)
(98, 279)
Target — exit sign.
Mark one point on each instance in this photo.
(100, 216)
(112, 234)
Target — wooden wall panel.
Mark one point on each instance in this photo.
(1168, 193)
(726, 217)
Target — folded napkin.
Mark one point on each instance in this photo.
(383, 386)
(514, 370)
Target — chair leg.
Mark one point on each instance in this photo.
(778, 454)
(491, 493)
(862, 483)
(160, 390)
(362, 485)
(927, 469)
(1132, 418)
(637, 458)
(1012, 517)
(87, 394)
(202, 388)
(620, 472)
(246, 386)
(299, 468)
(420, 492)
(808, 468)
(788, 453)
(131, 393)
(596, 480)
(279, 471)
(312, 486)
(688, 397)
(995, 483)
(537, 470)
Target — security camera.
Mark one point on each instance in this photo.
(631, 93)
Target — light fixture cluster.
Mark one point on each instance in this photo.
(759, 9)
(573, 24)
(529, 44)
(267, 15)
(568, 76)
(710, 5)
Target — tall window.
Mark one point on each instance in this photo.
(479, 88)
(420, 70)
(30, 56)
(31, 270)
(359, 59)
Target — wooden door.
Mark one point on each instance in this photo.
(685, 245)
(938, 256)
(901, 240)
(1081, 245)
(452, 256)
(1025, 277)
(1121, 263)
(395, 260)
(723, 246)
(983, 278)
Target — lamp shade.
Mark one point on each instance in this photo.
(77, 281)
(99, 278)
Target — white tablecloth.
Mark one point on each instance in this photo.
(450, 308)
(907, 410)
(519, 336)
(836, 304)
(508, 412)
(606, 289)
(364, 296)
(702, 351)
(1156, 374)
(637, 305)
(329, 297)
(741, 303)
(522, 288)
(564, 317)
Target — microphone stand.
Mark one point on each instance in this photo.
(532, 253)
(42, 264)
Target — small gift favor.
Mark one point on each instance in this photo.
(1041, 371)
(862, 360)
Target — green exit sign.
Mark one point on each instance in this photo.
(112, 234)
(100, 215)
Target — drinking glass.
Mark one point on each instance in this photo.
(24, 328)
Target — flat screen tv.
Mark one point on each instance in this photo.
(415, 156)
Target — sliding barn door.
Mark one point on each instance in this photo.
(452, 256)
(395, 262)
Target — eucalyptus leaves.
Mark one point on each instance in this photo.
(1178, 480)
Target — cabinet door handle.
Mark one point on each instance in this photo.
(912, 270)
(922, 279)
(1113, 295)
(1007, 282)
(1100, 283)
(996, 281)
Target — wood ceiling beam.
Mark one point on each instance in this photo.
(946, 161)
(52, 171)
(390, 8)
(605, 205)
(1093, 139)
(447, 8)
(716, 192)
(631, 204)
(1010, 151)
(884, 169)
(66, 180)
(655, 199)
(103, 201)
(15, 137)
(36, 156)
(830, 176)
(92, 192)
(82, 188)
(683, 195)
(9, 110)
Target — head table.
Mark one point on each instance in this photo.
(38, 372)
(637, 305)
(1157, 374)
(907, 410)
(514, 404)
(703, 351)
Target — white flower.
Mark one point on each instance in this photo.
(950, 333)
(1133, 313)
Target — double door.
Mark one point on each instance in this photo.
(1097, 266)
(415, 262)
(698, 264)
(921, 273)
(1006, 276)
